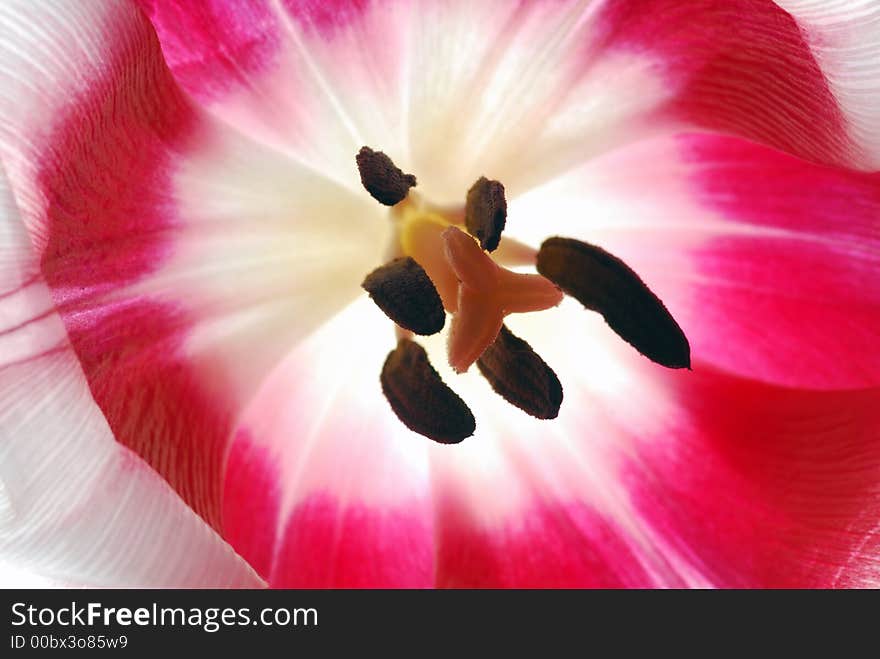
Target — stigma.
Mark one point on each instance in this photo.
(452, 261)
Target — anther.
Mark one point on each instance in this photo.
(420, 398)
(486, 212)
(519, 375)
(604, 283)
(403, 290)
(385, 182)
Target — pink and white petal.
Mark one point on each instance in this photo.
(451, 90)
(526, 503)
(502, 89)
(265, 252)
(770, 264)
(76, 507)
(522, 91)
(758, 485)
(845, 40)
(657, 478)
(317, 80)
(171, 268)
(742, 67)
(324, 486)
(215, 47)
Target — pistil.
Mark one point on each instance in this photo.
(486, 294)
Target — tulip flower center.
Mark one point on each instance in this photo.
(419, 234)
(442, 263)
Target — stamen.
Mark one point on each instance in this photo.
(403, 290)
(385, 182)
(519, 375)
(486, 212)
(604, 283)
(420, 398)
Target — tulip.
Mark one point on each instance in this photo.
(440, 293)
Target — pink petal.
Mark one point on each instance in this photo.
(655, 478)
(105, 172)
(549, 546)
(251, 502)
(324, 486)
(397, 75)
(804, 289)
(76, 507)
(741, 67)
(523, 91)
(219, 47)
(184, 260)
(316, 80)
(93, 167)
(769, 264)
(738, 489)
(761, 486)
(327, 543)
(327, 16)
(530, 503)
(213, 48)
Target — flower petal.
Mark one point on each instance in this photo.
(655, 478)
(770, 264)
(740, 67)
(758, 485)
(521, 91)
(292, 74)
(845, 40)
(450, 90)
(324, 486)
(503, 90)
(527, 503)
(184, 259)
(214, 47)
(76, 507)
(534, 503)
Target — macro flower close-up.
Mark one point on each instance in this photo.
(440, 293)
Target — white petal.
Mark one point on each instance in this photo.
(76, 507)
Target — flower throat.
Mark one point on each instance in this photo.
(452, 261)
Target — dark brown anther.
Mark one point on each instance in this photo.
(403, 290)
(486, 212)
(604, 283)
(520, 376)
(420, 398)
(385, 182)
